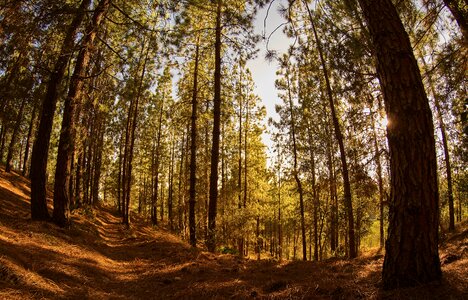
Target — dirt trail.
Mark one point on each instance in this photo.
(99, 258)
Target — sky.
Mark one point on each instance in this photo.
(263, 71)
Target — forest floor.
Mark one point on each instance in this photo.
(99, 258)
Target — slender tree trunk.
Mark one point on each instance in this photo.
(240, 241)
(41, 144)
(339, 137)
(411, 256)
(212, 206)
(193, 151)
(296, 169)
(78, 179)
(98, 156)
(157, 162)
(67, 136)
(171, 188)
(31, 129)
(14, 136)
(378, 164)
(314, 193)
(2, 139)
(280, 225)
(132, 122)
(180, 191)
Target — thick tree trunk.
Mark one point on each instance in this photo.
(411, 256)
(348, 201)
(67, 135)
(193, 151)
(41, 144)
(213, 201)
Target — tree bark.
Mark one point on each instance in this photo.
(170, 194)
(31, 129)
(378, 164)
(41, 144)
(193, 151)
(213, 200)
(411, 256)
(67, 135)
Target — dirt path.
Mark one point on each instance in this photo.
(99, 258)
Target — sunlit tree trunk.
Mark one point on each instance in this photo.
(378, 163)
(411, 256)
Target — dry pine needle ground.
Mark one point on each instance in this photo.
(98, 258)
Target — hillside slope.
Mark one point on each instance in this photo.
(98, 258)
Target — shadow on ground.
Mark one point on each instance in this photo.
(99, 258)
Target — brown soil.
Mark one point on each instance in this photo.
(98, 258)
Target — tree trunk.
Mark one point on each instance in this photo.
(14, 136)
(348, 201)
(154, 203)
(411, 256)
(98, 156)
(295, 168)
(378, 164)
(67, 135)
(315, 199)
(41, 144)
(240, 242)
(32, 125)
(171, 188)
(119, 175)
(193, 151)
(2, 139)
(212, 206)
